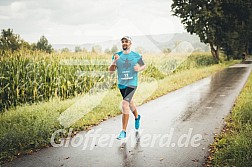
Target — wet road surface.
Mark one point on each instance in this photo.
(176, 129)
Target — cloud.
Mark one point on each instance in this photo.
(71, 21)
(6, 2)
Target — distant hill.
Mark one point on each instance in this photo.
(149, 43)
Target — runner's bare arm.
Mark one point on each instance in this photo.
(139, 68)
(112, 66)
(140, 65)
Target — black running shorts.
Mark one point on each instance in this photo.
(127, 93)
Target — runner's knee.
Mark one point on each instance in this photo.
(125, 107)
(132, 106)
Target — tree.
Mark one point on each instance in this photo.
(65, 50)
(114, 49)
(202, 18)
(84, 50)
(43, 45)
(218, 23)
(25, 45)
(97, 49)
(77, 49)
(107, 51)
(166, 50)
(9, 41)
(238, 25)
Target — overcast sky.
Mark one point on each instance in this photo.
(83, 21)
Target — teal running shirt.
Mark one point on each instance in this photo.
(127, 76)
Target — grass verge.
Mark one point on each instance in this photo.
(29, 127)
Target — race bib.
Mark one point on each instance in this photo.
(126, 75)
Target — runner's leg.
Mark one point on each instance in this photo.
(133, 109)
(127, 94)
(125, 116)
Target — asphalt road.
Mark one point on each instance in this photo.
(176, 129)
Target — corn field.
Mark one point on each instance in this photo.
(34, 77)
(27, 79)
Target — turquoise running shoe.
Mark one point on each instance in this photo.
(122, 135)
(137, 122)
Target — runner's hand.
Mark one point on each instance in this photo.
(136, 68)
(116, 57)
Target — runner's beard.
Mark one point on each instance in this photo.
(125, 47)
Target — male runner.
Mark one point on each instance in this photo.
(128, 64)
